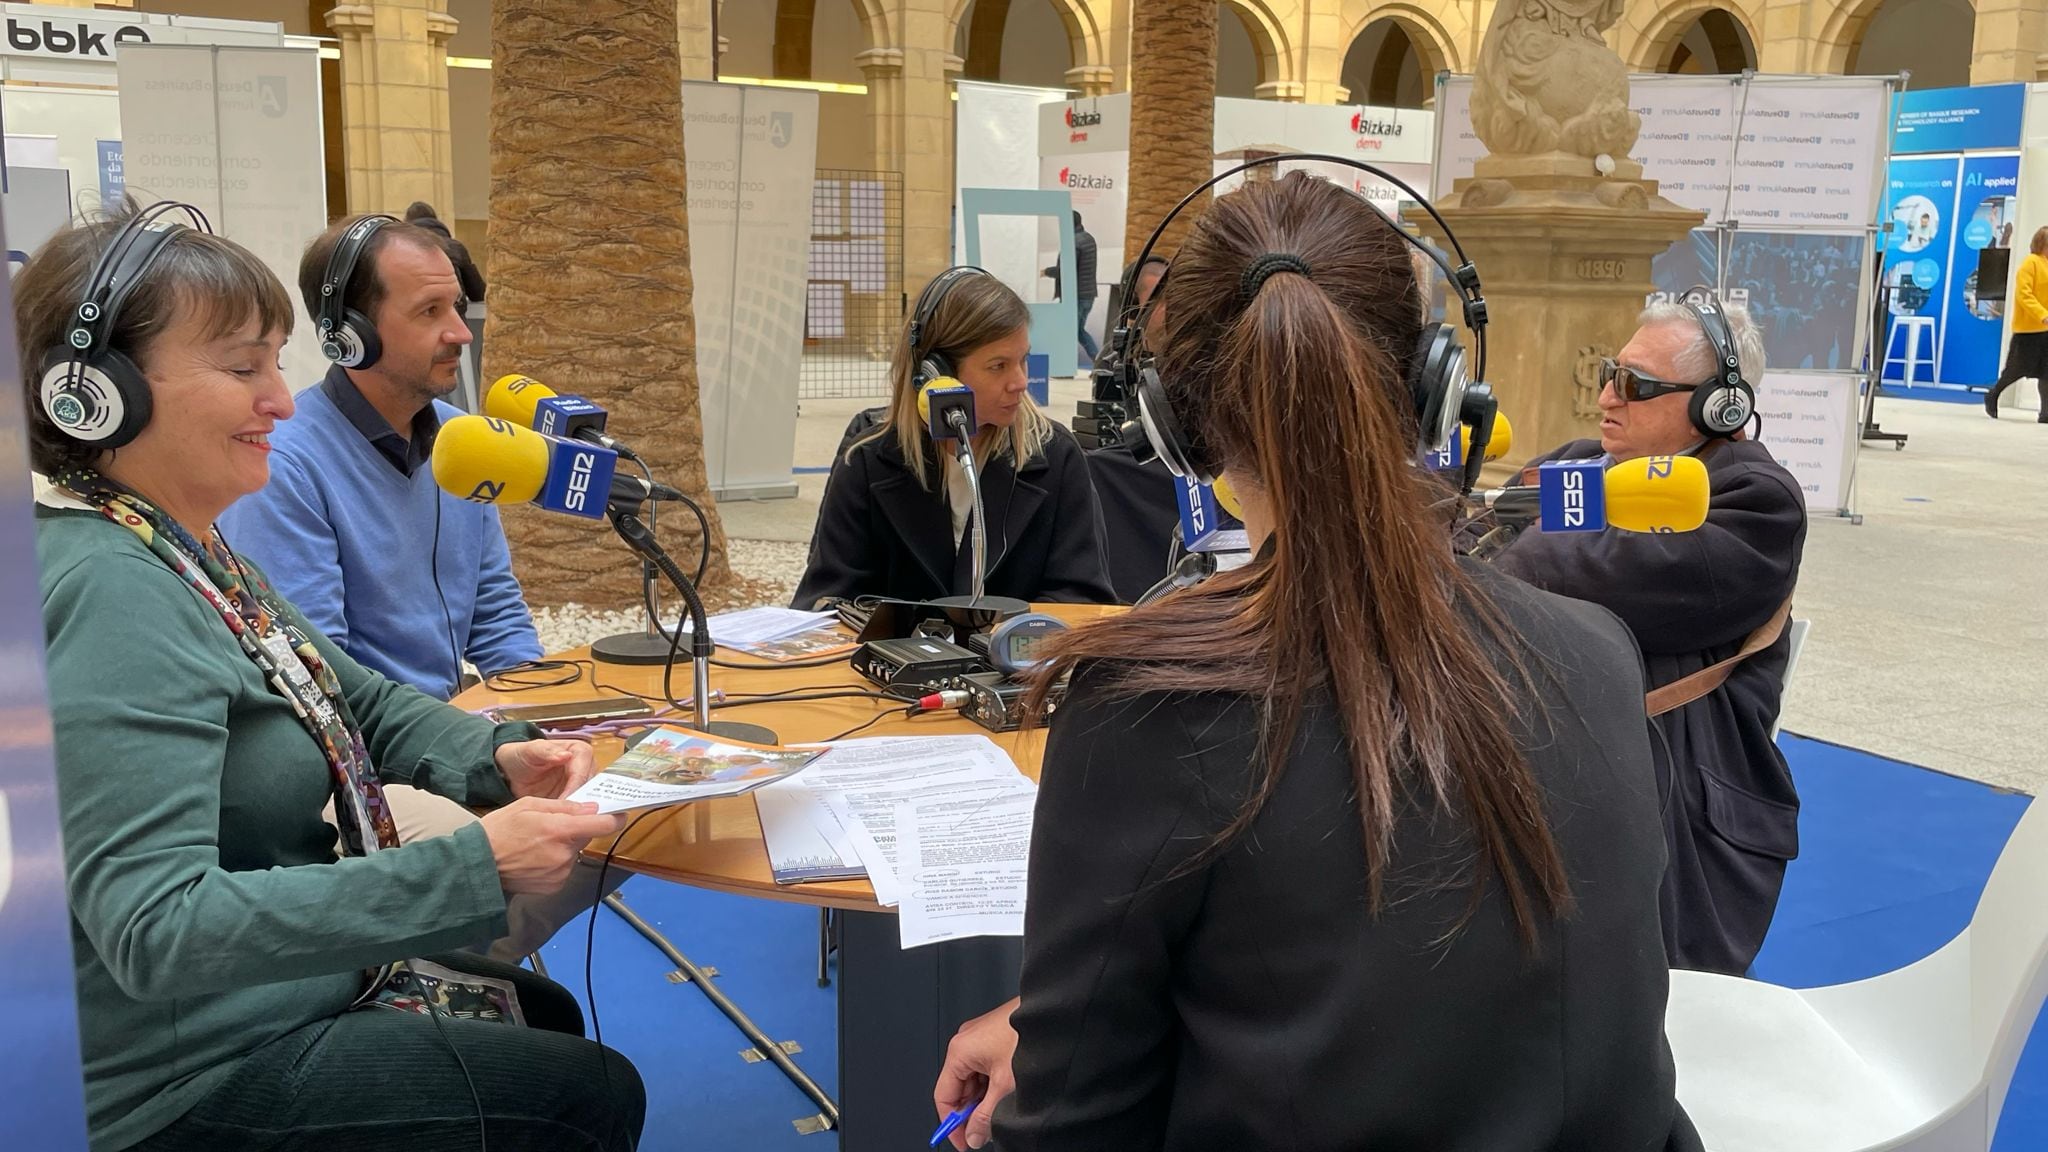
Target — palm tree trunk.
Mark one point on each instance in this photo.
(1173, 115)
(590, 266)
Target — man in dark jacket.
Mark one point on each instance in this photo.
(1691, 599)
(1084, 285)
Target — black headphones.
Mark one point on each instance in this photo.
(928, 364)
(1722, 406)
(92, 391)
(1439, 387)
(347, 337)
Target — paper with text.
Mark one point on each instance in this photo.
(963, 866)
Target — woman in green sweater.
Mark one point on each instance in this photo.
(239, 986)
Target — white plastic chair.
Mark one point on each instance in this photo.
(1799, 629)
(1918, 1059)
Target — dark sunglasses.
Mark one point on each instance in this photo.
(1630, 384)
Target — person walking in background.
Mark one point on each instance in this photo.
(1084, 287)
(2027, 354)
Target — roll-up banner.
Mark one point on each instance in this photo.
(236, 133)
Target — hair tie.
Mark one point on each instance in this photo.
(1264, 266)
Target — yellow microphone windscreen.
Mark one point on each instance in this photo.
(1497, 447)
(1227, 497)
(1657, 494)
(924, 395)
(489, 461)
(514, 398)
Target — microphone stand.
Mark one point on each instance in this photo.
(625, 520)
(977, 611)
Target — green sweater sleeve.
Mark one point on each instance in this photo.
(142, 678)
(413, 738)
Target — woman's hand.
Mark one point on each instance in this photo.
(535, 842)
(549, 769)
(977, 1067)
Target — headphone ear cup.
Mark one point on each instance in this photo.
(355, 343)
(1168, 435)
(1437, 385)
(104, 402)
(931, 368)
(1721, 410)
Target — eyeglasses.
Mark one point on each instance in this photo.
(1630, 384)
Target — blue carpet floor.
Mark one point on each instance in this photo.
(1892, 858)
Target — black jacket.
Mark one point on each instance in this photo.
(1691, 599)
(881, 533)
(1139, 513)
(1250, 1001)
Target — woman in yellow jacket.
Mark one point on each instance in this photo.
(2027, 355)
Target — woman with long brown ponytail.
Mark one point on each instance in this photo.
(1356, 847)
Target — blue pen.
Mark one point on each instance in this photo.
(951, 1124)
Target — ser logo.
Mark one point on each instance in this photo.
(1574, 500)
(579, 480)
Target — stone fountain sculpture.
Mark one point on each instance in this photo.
(1558, 220)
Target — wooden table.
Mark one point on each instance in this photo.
(897, 1009)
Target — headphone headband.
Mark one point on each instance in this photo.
(1714, 322)
(1724, 404)
(928, 300)
(341, 265)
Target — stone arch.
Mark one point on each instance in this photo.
(1423, 27)
(1086, 44)
(1841, 34)
(1653, 48)
(1277, 79)
(794, 20)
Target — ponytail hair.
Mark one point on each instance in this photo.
(1301, 390)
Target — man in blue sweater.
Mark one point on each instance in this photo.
(353, 530)
(403, 577)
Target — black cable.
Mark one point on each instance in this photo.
(804, 698)
(905, 713)
(483, 1138)
(499, 682)
(590, 950)
(434, 573)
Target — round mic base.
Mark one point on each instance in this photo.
(637, 648)
(720, 730)
(978, 614)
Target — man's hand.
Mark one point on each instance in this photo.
(977, 1066)
(548, 769)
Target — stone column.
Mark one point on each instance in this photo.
(1789, 43)
(394, 83)
(1092, 79)
(693, 30)
(910, 104)
(2010, 37)
(1322, 53)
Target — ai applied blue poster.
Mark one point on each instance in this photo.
(1986, 207)
(1920, 204)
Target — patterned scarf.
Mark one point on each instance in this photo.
(291, 665)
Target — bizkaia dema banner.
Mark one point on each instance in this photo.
(1786, 152)
(1095, 124)
(1096, 182)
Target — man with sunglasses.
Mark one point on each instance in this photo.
(1694, 600)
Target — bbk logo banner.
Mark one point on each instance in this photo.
(74, 38)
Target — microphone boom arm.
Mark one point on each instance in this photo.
(626, 522)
